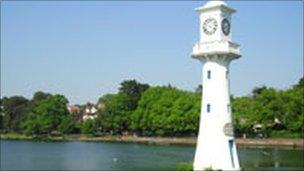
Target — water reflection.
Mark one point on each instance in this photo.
(26, 155)
(275, 158)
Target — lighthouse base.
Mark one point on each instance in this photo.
(216, 156)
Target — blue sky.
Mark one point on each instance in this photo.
(85, 49)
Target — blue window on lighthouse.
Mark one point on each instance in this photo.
(209, 74)
(208, 108)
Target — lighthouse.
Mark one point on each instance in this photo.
(215, 50)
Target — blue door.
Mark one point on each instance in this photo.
(231, 152)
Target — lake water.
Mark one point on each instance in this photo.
(27, 155)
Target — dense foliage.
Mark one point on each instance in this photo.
(166, 111)
(275, 110)
(48, 115)
(114, 119)
(133, 90)
(88, 126)
(13, 112)
(163, 111)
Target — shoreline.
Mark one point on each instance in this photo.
(248, 142)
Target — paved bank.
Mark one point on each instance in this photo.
(158, 140)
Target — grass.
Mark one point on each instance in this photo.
(286, 134)
(185, 166)
(295, 142)
(16, 136)
(189, 167)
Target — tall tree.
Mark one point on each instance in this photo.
(88, 127)
(244, 114)
(199, 89)
(46, 116)
(133, 89)
(13, 110)
(257, 91)
(114, 118)
(166, 111)
(40, 95)
(1, 114)
(300, 83)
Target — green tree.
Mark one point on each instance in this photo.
(67, 124)
(243, 113)
(114, 118)
(1, 114)
(13, 110)
(166, 111)
(199, 89)
(47, 115)
(88, 127)
(294, 118)
(40, 95)
(300, 83)
(257, 91)
(1, 121)
(133, 90)
(276, 110)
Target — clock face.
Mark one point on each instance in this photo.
(225, 26)
(209, 26)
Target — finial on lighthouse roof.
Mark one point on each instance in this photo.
(214, 3)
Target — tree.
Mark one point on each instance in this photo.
(275, 110)
(46, 116)
(13, 111)
(88, 127)
(300, 83)
(67, 124)
(258, 90)
(166, 111)
(115, 117)
(199, 89)
(40, 95)
(244, 114)
(294, 117)
(1, 114)
(133, 89)
(1, 121)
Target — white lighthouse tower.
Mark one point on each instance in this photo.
(216, 147)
